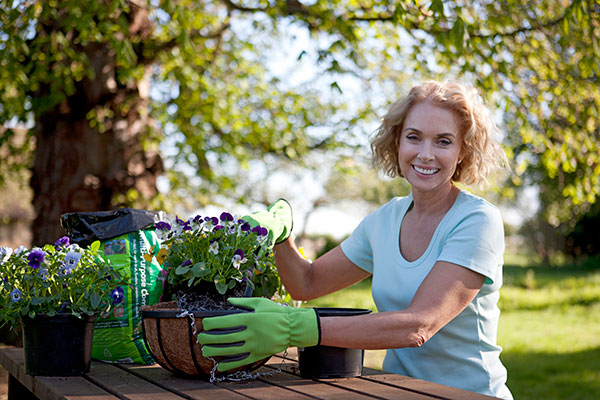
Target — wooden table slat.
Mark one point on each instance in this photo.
(123, 384)
(193, 388)
(52, 388)
(365, 387)
(429, 388)
(279, 379)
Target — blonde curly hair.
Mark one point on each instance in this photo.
(480, 151)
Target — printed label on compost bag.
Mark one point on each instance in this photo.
(118, 334)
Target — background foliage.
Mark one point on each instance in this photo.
(229, 91)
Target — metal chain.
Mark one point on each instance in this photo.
(239, 376)
(186, 313)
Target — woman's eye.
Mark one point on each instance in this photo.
(445, 142)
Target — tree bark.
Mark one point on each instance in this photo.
(80, 167)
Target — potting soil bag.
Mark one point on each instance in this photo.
(126, 236)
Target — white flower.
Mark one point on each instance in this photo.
(214, 248)
(72, 259)
(238, 259)
(20, 250)
(43, 271)
(74, 248)
(5, 253)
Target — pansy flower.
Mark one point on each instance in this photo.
(62, 242)
(118, 295)
(43, 271)
(183, 225)
(260, 231)
(226, 217)
(238, 258)
(15, 295)
(20, 250)
(72, 259)
(213, 247)
(5, 253)
(65, 270)
(163, 226)
(74, 247)
(36, 257)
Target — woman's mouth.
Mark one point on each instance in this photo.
(425, 171)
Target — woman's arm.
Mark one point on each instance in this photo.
(444, 293)
(305, 280)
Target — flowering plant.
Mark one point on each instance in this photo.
(59, 278)
(224, 251)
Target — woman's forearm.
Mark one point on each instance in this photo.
(294, 270)
(306, 281)
(386, 330)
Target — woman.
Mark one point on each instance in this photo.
(435, 256)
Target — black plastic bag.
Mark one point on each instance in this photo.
(85, 227)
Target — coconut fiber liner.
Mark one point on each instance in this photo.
(172, 342)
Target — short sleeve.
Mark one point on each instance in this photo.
(357, 247)
(477, 241)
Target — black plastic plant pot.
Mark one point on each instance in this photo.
(60, 345)
(325, 362)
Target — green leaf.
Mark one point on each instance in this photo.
(95, 300)
(37, 301)
(199, 270)
(182, 270)
(95, 246)
(221, 287)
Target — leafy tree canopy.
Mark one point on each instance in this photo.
(201, 77)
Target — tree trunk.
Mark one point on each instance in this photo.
(80, 167)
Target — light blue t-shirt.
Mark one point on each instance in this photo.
(464, 353)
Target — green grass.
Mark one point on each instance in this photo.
(549, 329)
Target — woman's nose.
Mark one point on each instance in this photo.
(425, 153)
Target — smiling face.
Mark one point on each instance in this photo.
(429, 148)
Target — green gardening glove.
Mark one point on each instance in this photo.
(277, 219)
(270, 329)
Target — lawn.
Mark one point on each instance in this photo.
(549, 329)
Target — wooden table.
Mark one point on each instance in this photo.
(110, 381)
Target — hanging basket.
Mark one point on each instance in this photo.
(170, 338)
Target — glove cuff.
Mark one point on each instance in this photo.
(305, 328)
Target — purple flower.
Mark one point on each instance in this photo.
(226, 217)
(260, 231)
(245, 227)
(185, 225)
(186, 263)
(118, 295)
(36, 257)
(239, 252)
(216, 228)
(212, 220)
(163, 226)
(62, 242)
(197, 219)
